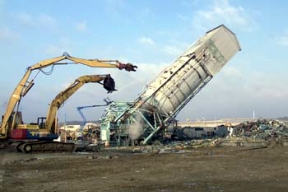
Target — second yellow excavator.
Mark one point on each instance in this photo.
(46, 128)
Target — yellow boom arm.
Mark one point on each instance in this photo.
(64, 95)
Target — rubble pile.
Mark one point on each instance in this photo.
(177, 146)
(262, 129)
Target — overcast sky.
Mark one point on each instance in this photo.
(150, 34)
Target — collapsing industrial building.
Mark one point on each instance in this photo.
(155, 110)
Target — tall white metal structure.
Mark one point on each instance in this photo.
(176, 85)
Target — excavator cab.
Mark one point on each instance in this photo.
(41, 121)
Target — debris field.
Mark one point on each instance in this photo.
(258, 163)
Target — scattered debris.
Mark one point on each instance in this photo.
(261, 129)
(82, 146)
(22, 160)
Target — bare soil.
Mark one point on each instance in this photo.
(202, 169)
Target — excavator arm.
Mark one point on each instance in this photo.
(24, 86)
(79, 109)
(68, 92)
(88, 62)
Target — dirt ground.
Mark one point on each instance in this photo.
(202, 169)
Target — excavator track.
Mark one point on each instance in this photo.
(44, 146)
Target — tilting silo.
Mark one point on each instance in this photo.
(172, 89)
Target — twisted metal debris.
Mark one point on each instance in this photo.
(262, 129)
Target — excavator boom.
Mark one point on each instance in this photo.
(68, 92)
(79, 109)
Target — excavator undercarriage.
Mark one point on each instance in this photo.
(44, 146)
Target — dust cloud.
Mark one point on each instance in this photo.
(136, 128)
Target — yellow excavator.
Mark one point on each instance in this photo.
(46, 128)
(39, 137)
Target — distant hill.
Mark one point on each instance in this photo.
(283, 118)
